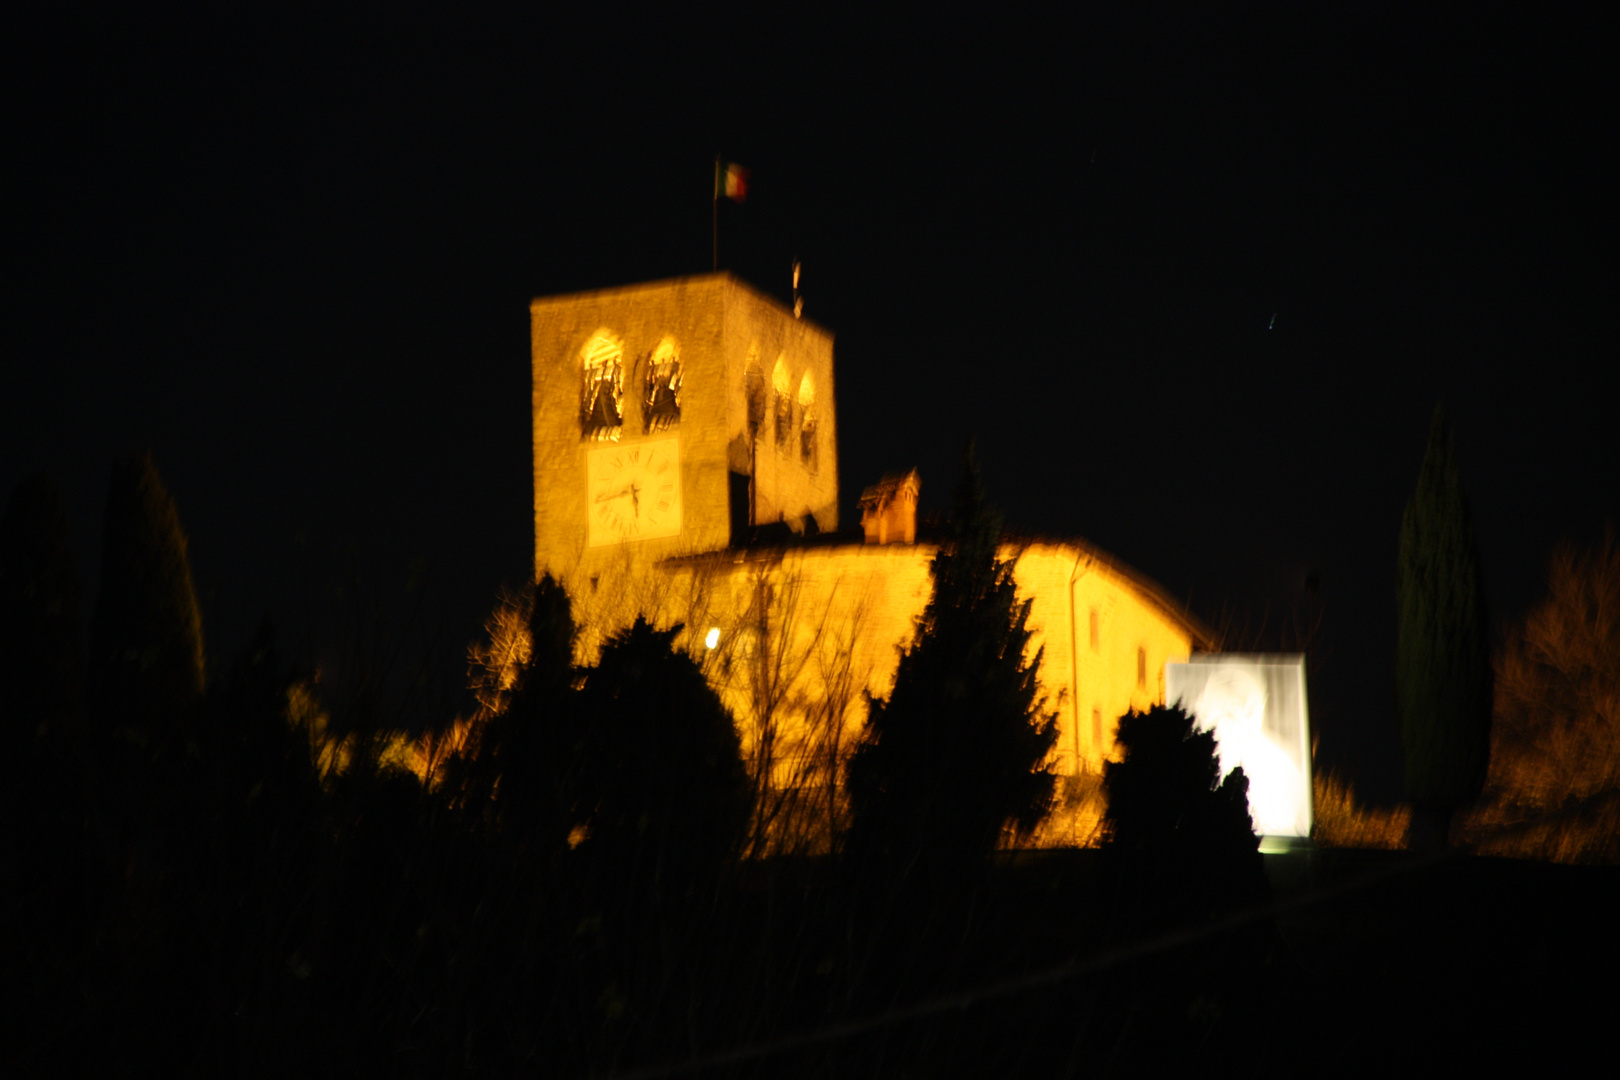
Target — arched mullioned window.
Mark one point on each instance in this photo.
(661, 397)
(601, 407)
(754, 391)
(807, 421)
(782, 399)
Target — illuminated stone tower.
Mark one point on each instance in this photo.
(670, 417)
(674, 419)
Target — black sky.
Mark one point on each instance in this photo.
(1194, 281)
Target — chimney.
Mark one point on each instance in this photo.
(889, 509)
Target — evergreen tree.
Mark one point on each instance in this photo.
(43, 792)
(662, 777)
(146, 644)
(524, 769)
(1442, 659)
(41, 657)
(957, 750)
(1180, 833)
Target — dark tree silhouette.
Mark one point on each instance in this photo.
(1181, 835)
(662, 778)
(524, 770)
(1442, 658)
(955, 753)
(43, 789)
(41, 658)
(146, 643)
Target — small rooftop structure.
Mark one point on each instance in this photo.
(889, 509)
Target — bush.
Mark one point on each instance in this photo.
(1180, 835)
(1340, 822)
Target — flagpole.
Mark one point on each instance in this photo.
(716, 213)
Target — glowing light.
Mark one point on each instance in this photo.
(712, 638)
(661, 400)
(602, 406)
(1256, 707)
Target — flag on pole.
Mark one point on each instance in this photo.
(730, 180)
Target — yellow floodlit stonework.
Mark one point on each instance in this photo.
(732, 474)
(735, 537)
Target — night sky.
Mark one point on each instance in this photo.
(1194, 282)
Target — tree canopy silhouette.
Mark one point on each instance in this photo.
(525, 761)
(662, 780)
(1442, 657)
(146, 642)
(1180, 832)
(956, 752)
(41, 658)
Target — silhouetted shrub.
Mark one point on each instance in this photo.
(1180, 835)
(41, 657)
(146, 644)
(662, 790)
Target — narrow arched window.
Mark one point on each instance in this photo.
(807, 422)
(661, 396)
(782, 401)
(1141, 668)
(754, 391)
(601, 407)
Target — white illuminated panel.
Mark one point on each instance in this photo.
(1255, 704)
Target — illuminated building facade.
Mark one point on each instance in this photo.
(686, 469)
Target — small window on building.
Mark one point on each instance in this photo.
(1096, 638)
(601, 408)
(782, 402)
(1096, 728)
(1141, 668)
(807, 422)
(661, 397)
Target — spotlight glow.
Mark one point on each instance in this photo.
(1256, 707)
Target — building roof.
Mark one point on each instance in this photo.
(721, 277)
(884, 491)
(772, 543)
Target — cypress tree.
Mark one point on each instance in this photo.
(41, 704)
(957, 750)
(41, 656)
(1442, 658)
(146, 644)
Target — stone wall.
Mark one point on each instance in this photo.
(719, 324)
(799, 626)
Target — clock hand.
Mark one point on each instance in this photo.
(635, 498)
(621, 493)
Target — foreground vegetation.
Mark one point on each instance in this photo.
(207, 877)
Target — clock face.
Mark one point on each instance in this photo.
(633, 492)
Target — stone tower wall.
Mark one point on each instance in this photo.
(717, 323)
